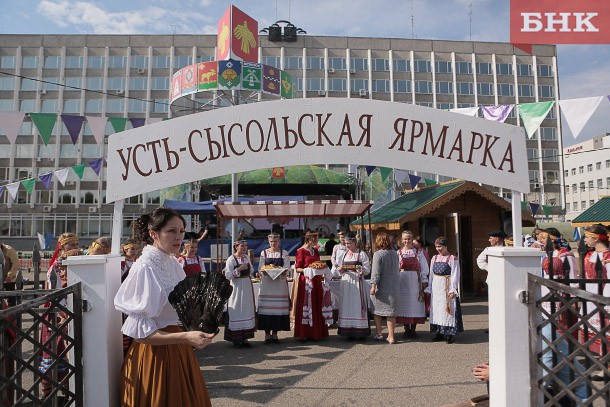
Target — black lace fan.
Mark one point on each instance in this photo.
(199, 301)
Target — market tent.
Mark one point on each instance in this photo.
(300, 209)
(208, 206)
(599, 212)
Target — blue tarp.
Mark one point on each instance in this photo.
(208, 206)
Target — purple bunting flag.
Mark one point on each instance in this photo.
(414, 180)
(497, 113)
(534, 208)
(369, 169)
(46, 179)
(73, 124)
(1, 190)
(96, 165)
(137, 121)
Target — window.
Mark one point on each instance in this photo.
(359, 64)
(315, 83)
(358, 84)
(444, 106)
(582, 187)
(160, 61)
(401, 86)
(52, 62)
(402, 65)
(337, 63)
(139, 61)
(74, 62)
(590, 184)
(607, 163)
(552, 177)
(442, 66)
(7, 104)
(589, 167)
(205, 58)
(600, 183)
(136, 106)
(463, 67)
(71, 106)
(573, 171)
(423, 66)
(465, 88)
(506, 89)
(160, 105)
(154, 197)
(74, 83)
(583, 205)
(526, 90)
(581, 169)
(337, 85)
(7, 62)
(425, 104)
(524, 70)
(180, 61)
(608, 182)
(533, 174)
(504, 69)
(381, 64)
(591, 202)
(550, 155)
(314, 63)
(7, 83)
(115, 84)
(49, 106)
(93, 106)
(485, 89)
(28, 84)
(483, 68)
(96, 62)
(26, 105)
(575, 206)
(532, 155)
(293, 62)
(546, 91)
(598, 165)
(29, 62)
(574, 189)
(423, 87)
(381, 85)
(545, 70)
(94, 83)
(567, 207)
(444, 88)
(138, 83)
(24, 151)
(117, 61)
(548, 133)
(50, 83)
(115, 105)
(160, 83)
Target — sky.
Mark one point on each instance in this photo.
(583, 69)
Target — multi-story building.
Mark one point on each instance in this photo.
(129, 76)
(587, 174)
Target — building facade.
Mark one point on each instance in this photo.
(129, 76)
(587, 174)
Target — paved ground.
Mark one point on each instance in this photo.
(336, 372)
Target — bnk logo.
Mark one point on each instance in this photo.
(560, 21)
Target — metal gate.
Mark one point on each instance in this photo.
(568, 351)
(39, 333)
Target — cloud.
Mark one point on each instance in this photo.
(90, 18)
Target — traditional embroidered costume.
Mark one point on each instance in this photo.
(273, 298)
(445, 313)
(241, 323)
(413, 273)
(353, 305)
(597, 266)
(192, 265)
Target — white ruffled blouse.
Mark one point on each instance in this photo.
(143, 294)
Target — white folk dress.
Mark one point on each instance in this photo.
(274, 298)
(445, 314)
(413, 273)
(353, 300)
(240, 324)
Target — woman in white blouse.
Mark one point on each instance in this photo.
(160, 368)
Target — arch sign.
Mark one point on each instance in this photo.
(315, 131)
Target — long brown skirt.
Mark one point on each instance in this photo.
(162, 375)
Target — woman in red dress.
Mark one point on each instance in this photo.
(313, 327)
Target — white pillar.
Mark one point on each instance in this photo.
(102, 341)
(508, 324)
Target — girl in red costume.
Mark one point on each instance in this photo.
(191, 262)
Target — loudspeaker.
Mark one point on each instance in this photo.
(275, 33)
(290, 33)
(428, 229)
(507, 222)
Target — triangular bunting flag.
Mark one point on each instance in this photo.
(12, 189)
(167, 118)
(414, 180)
(137, 122)
(96, 165)
(369, 169)
(153, 120)
(118, 123)
(429, 182)
(546, 209)
(1, 190)
(498, 113)
(577, 112)
(98, 127)
(46, 179)
(468, 111)
(576, 236)
(385, 172)
(533, 114)
(79, 169)
(28, 184)
(10, 122)
(73, 124)
(44, 122)
(62, 175)
(399, 176)
(41, 242)
(534, 208)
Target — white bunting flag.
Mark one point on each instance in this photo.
(468, 111)
(10, 122)
(577, 112)
(98, 127)
(62, 175)
(12, 189)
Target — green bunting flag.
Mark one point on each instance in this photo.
(533, 114)
(429, 182)
(385, 172)
(524, 205)
(546, 209)
(118, 123)
(28, 184)
(79, 170)
(44, 122)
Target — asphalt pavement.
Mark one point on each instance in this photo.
(338, 372)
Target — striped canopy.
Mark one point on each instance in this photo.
(296, 209)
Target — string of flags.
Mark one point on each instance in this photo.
(10, 123)
(46, 178)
